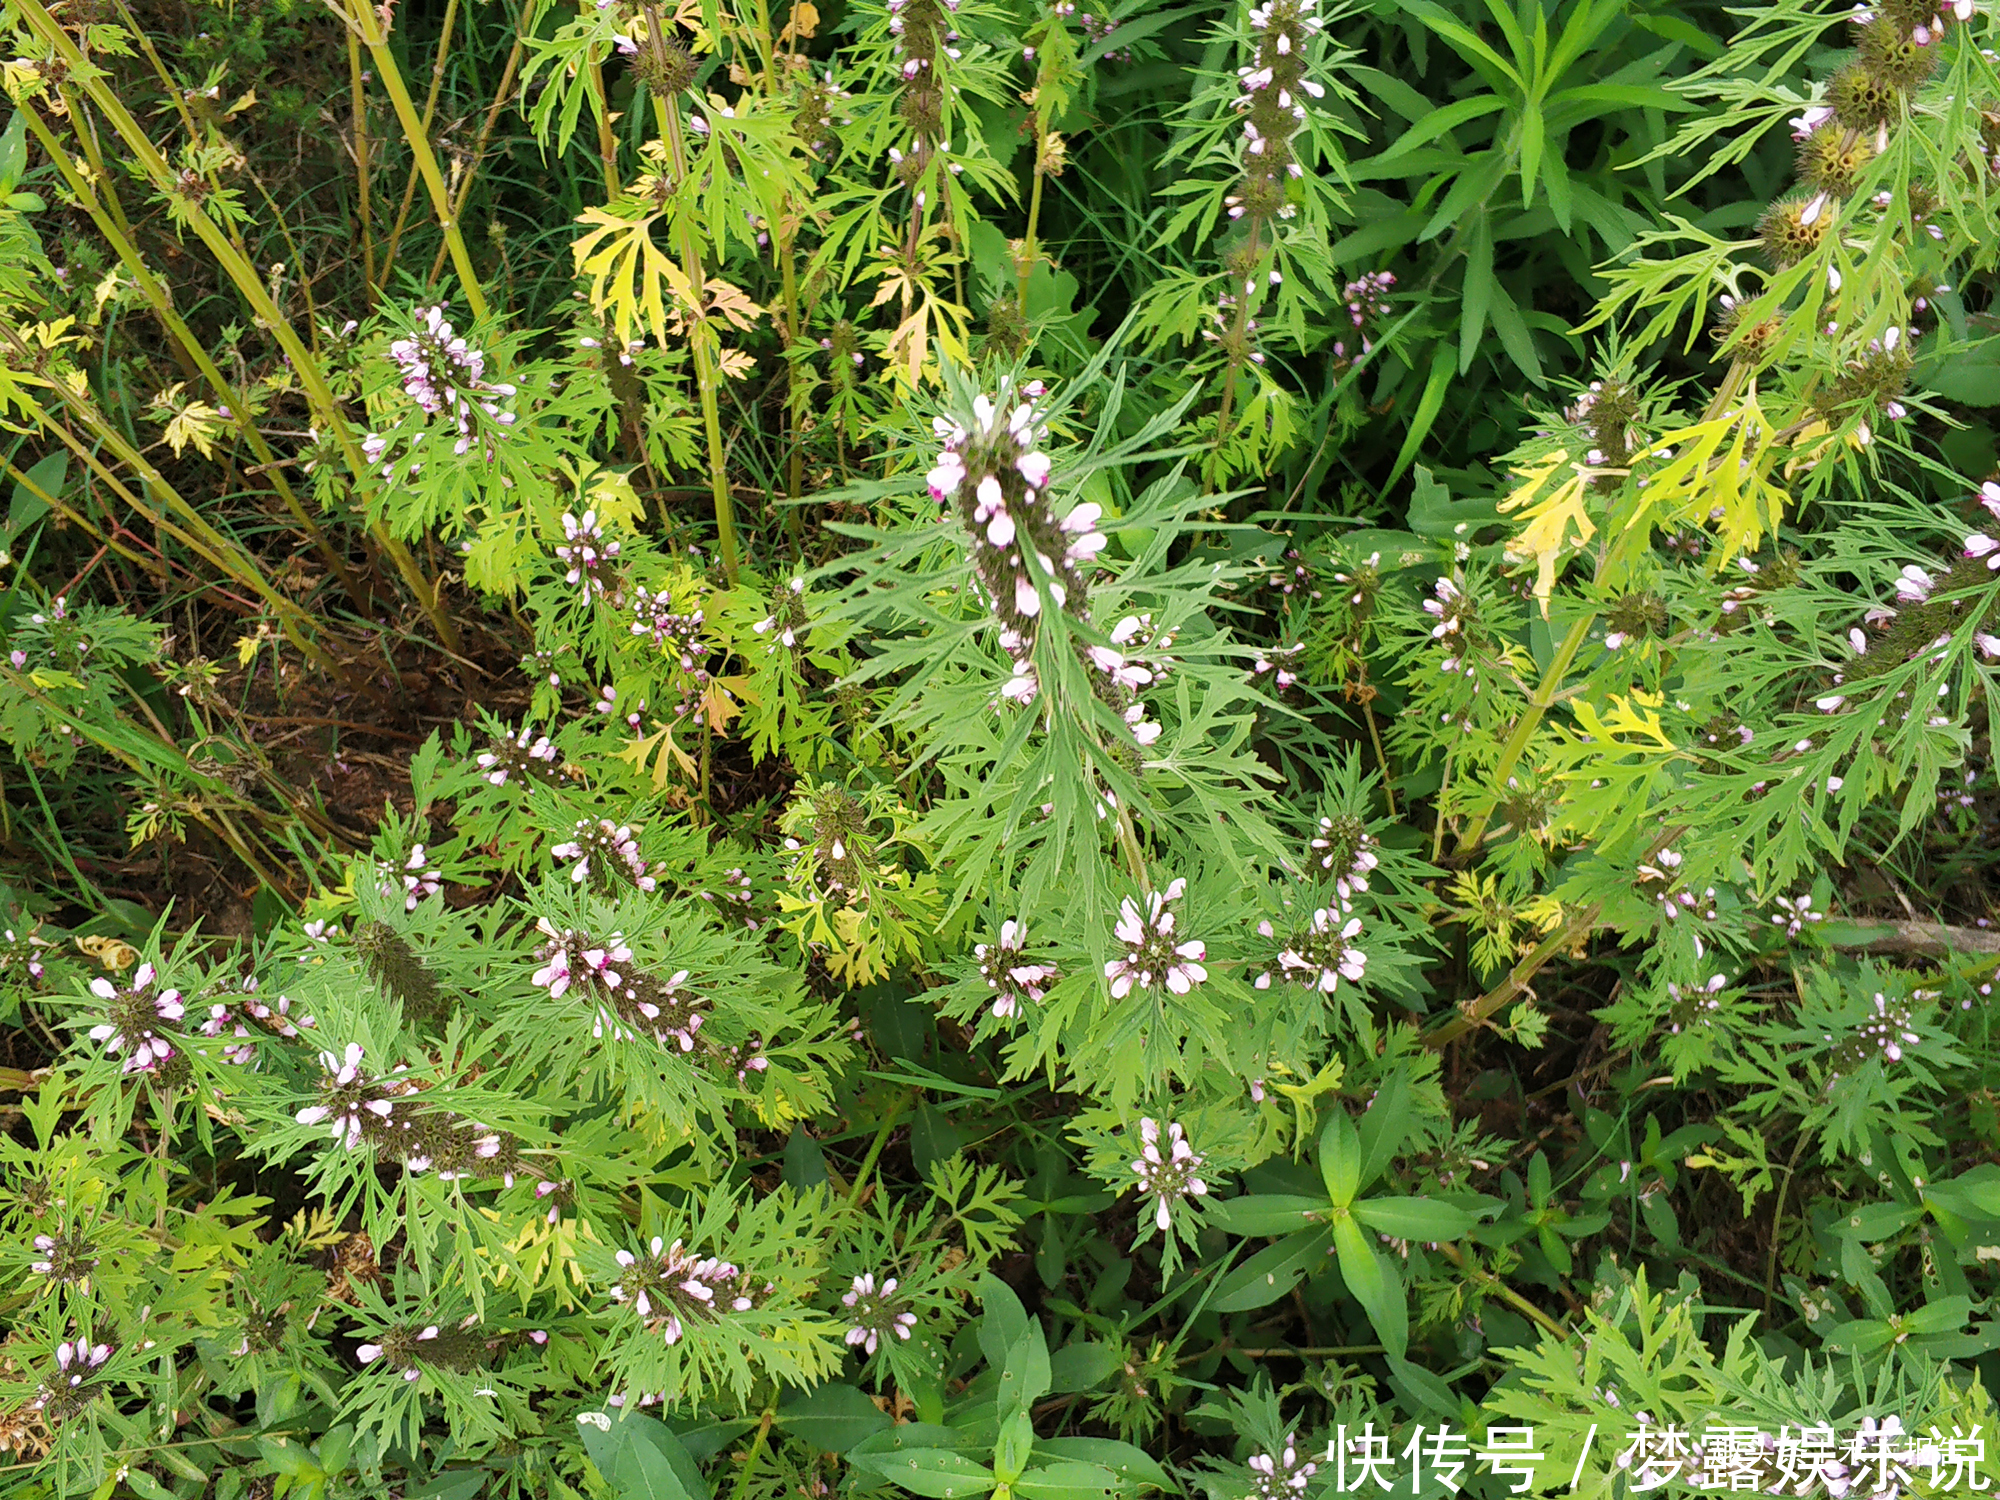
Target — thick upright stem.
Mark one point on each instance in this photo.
(698, 343)
(249, 285)
(369, 24)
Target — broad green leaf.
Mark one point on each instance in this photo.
(1422, 1219)
(1081, 1366)
(1376, 1285)
(1439, 122)
(1385, 1126)
(832, 1418)
(1265, 1213)
(1134, 1465)
(1269, 1274)
(1066, 1481)
(1340, 1157)
(936, 1473)
(1478, 295)
(1532, 143)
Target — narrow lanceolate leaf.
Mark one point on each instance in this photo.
(1375, 1283)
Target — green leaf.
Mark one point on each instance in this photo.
(1438, 122)
(934, 1472)
(1081, 1366)
(641, 1472)
(1376, 1285)
(1269, 1274)
(1066, 1481)
(1512, 331)
(13, 151)
(1971, 377)
(1013, 1446)
(1478, 295)
(1428, 406)
(1265, 1213)
(831, 1418)
(1422, 1219)
(1434, 514)
(1131, 1464)
(1340, 1157)
(1532, 143)
(1385, 1126)
(43, 483)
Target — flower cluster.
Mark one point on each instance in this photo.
(603, 846)
(25, 951)
(459, 1350)
(1367, 300)
(1281, 665)
(736, 890)
(133, 1018)
(442, 373)
(1272, 84)
(414, 881)
(1344, 848)
(67, 1259)
(1002, 966)
(1282, 1475)
(225, 1020)
(1661, 878)
(1795, 915)
(523, 758)
(1152, 957)
(352, 1102)
(678, 636)
(77, 1363)
(586, 554)
(788, 618)
(876, 1314)
(1169, 1175)
(1883, 1033)
(1694, 1005)
(671, 1288)
(1321, 956)
(993, 469)
(382, 1113)
(629, 1001)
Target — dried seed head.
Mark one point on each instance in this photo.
(1831, 157)
(1894, 55)
(1793, 228)
(1861, 99)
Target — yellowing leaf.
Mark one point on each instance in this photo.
(613, 498)
(659, 748)
(631, 278)
(736, 365)
(246, 647)
(1716, 476)
(1550, 520)
(804, 22)
(110, 952)
(1632, 724)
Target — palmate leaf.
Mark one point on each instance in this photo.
(631, 277)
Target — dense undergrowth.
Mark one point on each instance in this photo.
(954, 748)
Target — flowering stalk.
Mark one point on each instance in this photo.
(1274, 84)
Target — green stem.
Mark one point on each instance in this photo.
(752, 1458)
(249, 284)
(430, 114)
(160, 300)
(698, 338)
(364, 196)
(364, 18)
(1524, 728)
(881, 1140)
